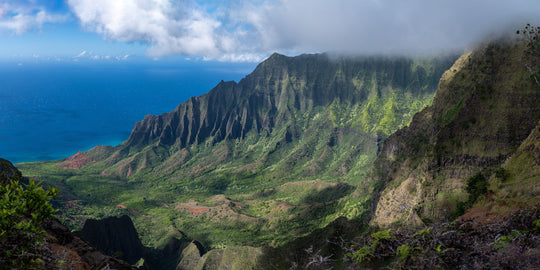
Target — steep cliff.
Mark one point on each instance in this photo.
(116, 236)
(485, 107)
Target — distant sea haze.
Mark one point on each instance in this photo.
(49, 111)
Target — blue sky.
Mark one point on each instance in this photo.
(248, 31)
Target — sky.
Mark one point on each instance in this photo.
(249, 31)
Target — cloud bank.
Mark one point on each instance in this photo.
(242, 30)
(389, 26)
(245, 30)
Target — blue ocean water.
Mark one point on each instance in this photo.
(50, 111)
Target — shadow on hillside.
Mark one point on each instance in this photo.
(329, 194)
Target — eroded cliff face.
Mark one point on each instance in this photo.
(116, 236)
(517, 183)
(485, 107)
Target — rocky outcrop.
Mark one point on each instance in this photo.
(114, 236)
(190, 256)
(8, 172)
(485, 107)
(70, 252)
(229, 258)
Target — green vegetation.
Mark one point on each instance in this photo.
(368, 252)
(476, 187)
(23, 210)
(404, 252)
(285, 156)
(282, 156)
(451, 114)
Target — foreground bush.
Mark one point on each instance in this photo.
(23, 209)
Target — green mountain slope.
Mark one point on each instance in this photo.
(485, 107)
(252, 162)
(464, 173)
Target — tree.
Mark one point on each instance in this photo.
(531, 34)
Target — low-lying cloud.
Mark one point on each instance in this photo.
(390, 26)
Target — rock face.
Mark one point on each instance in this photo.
(114, 236)
(8, 172)
(517, 183)
(227, 258)
(485, 107)
(190, 256)
(76, 253)
(271, 94)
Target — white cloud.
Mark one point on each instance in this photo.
(91, 56)
(170, 27)
(83, 53)
(247, 30)
(19, 19)
(122, 58)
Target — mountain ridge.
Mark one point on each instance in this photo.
(272, 96)
(306, 119)
(485, 107)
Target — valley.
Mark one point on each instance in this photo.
(311, 148)
(255, 162)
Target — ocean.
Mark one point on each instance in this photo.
(49, 111)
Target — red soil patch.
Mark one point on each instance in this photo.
(80, 159)
(198, 171)
(121, 206)
(283, 206)
(76, 161)
(250, 166)
(200, 210)
(479, 216)
(133, 212)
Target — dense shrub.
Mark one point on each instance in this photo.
(476, 187)
(23, 209)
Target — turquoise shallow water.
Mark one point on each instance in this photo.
(50, 111)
